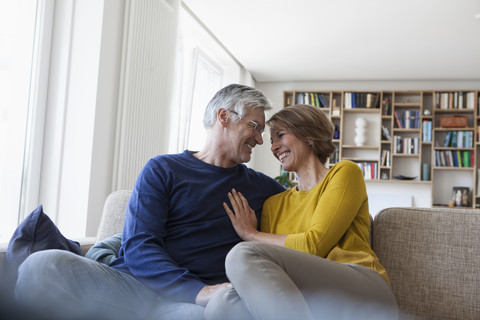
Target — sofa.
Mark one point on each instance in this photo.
(432, 256)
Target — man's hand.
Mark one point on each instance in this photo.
(207, 292)
(243, 220)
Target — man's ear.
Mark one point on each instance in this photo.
(222, 116)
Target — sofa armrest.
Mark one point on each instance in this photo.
(432, 258)
(3, 252)
(86, 243)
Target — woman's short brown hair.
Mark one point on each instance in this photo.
(307, 123)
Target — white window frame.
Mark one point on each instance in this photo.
(37, 108)
(200, 57)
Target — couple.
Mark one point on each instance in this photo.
(182, 254)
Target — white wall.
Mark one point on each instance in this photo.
(105, 113)
(419, 194)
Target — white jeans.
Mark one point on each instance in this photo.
(271, 282)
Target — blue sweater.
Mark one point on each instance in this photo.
(177, 234)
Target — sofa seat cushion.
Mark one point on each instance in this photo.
(432, 257)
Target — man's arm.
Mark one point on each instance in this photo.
(208, 292)
(144, 248)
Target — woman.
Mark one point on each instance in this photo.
(311, 258)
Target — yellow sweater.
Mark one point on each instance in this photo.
(330, 221)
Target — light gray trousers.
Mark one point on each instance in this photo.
(60, 285)
(272, 282)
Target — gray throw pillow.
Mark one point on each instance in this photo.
(107, 250)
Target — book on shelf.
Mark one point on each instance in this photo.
(322, 101)
(427, 131)
(311, 98)
(300, 99)
(408, 119)
(386, 107)
(458, 139)
(455, 100)
(362, 100)
(385, 160)
(369, 170)
(397, 119)
(448, 137)
(404, 145)
(335, 157)
(348, 100)
(372, 100)
(454, 158)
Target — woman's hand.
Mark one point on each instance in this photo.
(243, 220)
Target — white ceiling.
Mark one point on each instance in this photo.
(303, 40)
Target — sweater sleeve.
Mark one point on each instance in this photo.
(339, 200)
(144, 240)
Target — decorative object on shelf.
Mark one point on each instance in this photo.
(336, 133)
(385, 133)
(460, 197)
(426, 171)
(402, 177)
(427, 112)
(360, 131)
(455, 121)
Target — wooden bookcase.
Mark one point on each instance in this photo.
(404, 140)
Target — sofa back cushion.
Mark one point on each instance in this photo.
(432, 257)
(113, 214)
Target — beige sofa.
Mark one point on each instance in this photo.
(432, 256)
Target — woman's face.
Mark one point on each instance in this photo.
(288, 149)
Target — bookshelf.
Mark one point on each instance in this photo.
(407, 139)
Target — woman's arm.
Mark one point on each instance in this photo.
(244, 221)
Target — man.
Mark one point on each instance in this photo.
(176, 233)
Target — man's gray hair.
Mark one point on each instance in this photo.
(237, 98)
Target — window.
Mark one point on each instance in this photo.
(17, 39)
(204, 67)
(208, 80)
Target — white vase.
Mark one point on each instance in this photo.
(360, 131)
(360, 140)
(361, 122)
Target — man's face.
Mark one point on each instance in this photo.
(243, 137)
